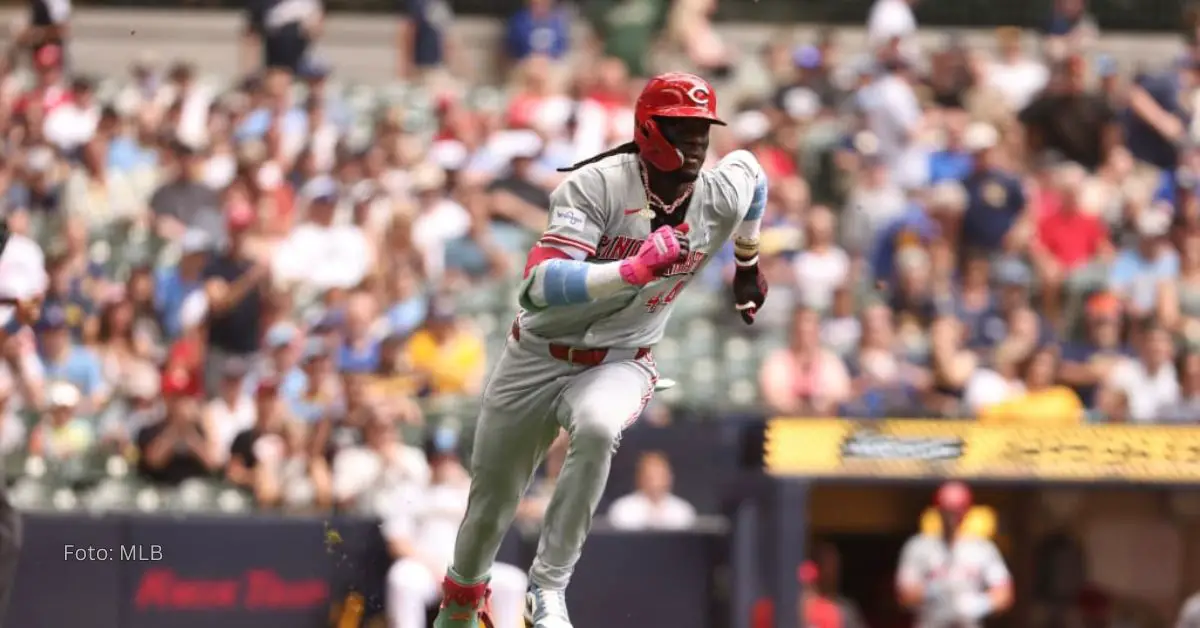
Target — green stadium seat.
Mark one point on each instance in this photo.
(233, 501)
(149, 499)
(196, 495)
(111, 494)
(30, 494)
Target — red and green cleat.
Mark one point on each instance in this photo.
(464, 606)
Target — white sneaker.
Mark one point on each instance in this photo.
(545, 608)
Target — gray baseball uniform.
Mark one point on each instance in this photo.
(968, 566)
(597, 214)
(1189, 615)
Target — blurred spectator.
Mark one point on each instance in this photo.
(173, 284)
(691, 32)
(996, 200)
(320, 391)
(1070, 119)
(542, 27)
(1016, 75)
(1187, 409)
(426, 45)
(370, 473)
(804, 379)
(447, 354)
(1069, 237)
(1139, 270)
(231, 411)
(65, 360)
(1070, 27)
(1143, 386)
(344, 257)
(828, 562)
(627, 29)
(63, 434)
(1160, 118)
(185, 201)
(822, 266)
(179, 446)
(234, 288)
(887, 380)
(817, 611)
(1089, 362)
(1040, 401)
(67, 294)
(283, 30)
(1178, 307)
(439, 221)
(269, 459)
(895, 118)
(652, 506)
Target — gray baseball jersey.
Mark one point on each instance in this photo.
(600, 213)
(968, 565)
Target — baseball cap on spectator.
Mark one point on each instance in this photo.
(1152, 223)
(267, 386)
(63, 395)
(195, 241)
(54, 318)
(980, 136)
(320, 190)
(280, 335)
(176, 382)
(1103, 305)
(235, 368)
(1012, 272)
(806, 57)
(48, 57)
(239, 217)
(314, 349)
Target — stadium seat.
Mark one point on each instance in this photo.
(196, 495)
(111, 494)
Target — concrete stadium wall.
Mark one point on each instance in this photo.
(361, 47)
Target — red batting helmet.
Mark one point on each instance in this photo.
(671, 95)
(953, 497)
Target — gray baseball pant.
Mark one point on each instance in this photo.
(529, 397)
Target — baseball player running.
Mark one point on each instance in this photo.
(953, 579)
(628, 229)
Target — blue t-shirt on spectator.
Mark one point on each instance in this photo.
(362, 360)
(1143, 141)
(914, 227)
(405, 317)
(949, 165)
(170, 290)
(1138, 277)
(430, 19)
(258, 122)
(529, 34)
(994, 201)
(79, 367)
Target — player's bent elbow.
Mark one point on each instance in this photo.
(1002, 596)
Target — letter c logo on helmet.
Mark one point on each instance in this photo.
(671, 95)
(699, 95)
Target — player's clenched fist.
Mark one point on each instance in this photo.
(749, 291)
(665, 247)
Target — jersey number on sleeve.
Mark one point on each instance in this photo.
(663, 297)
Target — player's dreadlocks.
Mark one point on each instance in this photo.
(628, 148)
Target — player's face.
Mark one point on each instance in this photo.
(690, 137)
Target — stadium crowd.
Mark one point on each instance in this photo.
(281, 280)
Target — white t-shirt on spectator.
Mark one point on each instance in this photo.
(358, 470)
(230, 421)
(1147, 393)
(1018, 82)
(888, 19)
(434, 228)
(324, 257)
(636, 511)
(430, 520)
(894, 117)
(69, 127)
(818, 275)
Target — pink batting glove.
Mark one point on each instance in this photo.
(665, 246)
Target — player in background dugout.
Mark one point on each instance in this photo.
(951, 574)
